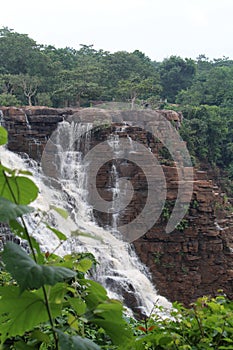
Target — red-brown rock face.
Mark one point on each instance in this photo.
(193, 260)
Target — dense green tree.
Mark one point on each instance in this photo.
(75, 85)
(206, 131)
(176, 74)
(121, 66)
(213, 87)
(28, 84)
(8, 100)
(62, 58)
(23, 86)
(21, 54)
(135, 87)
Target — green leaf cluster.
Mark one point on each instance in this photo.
(208, 324)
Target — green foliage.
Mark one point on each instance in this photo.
(10, 211)
(29, 274)
(137, 86)
(20, 54)
(183, 224)
(157, 257)
(17, 189)
(44, 99)
(27, 84)
(176, 74)
(76, 343)
(8, 100)
(103, 311)
(63, 213)
(21, 313)
(230, 171)
(167, 210)
(3, 136)
(210, 87)
(207, 132)
(208, 324)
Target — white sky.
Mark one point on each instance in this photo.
(159, 28)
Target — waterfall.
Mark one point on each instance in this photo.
(63, 182)
(113, 141)
(1, 118)
(27, 121)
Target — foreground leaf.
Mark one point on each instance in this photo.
(17, 189)
(21, 313)
(62, 212)
(3, 136)
(78, 305)
(28, 273)
(58, 233)
(10, 211)
(84, 265)
(68, 342)
(109, 316)
(106, 313)
(95, 294)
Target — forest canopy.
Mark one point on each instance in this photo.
(202, 89)
(32, 73)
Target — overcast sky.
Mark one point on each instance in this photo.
(159, 28)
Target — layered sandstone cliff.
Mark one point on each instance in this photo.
(193, 260)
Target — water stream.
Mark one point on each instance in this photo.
(63, 183)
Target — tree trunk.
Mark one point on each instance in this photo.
(133, 102)
(29, 100)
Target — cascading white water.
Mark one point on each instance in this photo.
(27, 121)
(63, 183)
(1, 117)
(113, 141)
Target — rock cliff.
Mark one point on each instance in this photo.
(193, 260)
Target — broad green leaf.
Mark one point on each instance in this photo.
(21, 313)
(28, 273)
(62, 212)
(23, 172)
(18, 189)
(165, 340)
(73, 322)
(10, 210)
(74, 261)
(21, 345)
(68, 342)
(109, 316)
(3, 136)
(95, 294)
(58, 233)
(228, 340)
(106, 313)
(42, 337)
(78, 305)
(84, 265)
(55, 293)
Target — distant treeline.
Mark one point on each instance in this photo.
(35, 74)
(38, 74)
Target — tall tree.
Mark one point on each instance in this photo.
(176, 74)
(136, 87)
(213, 86)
